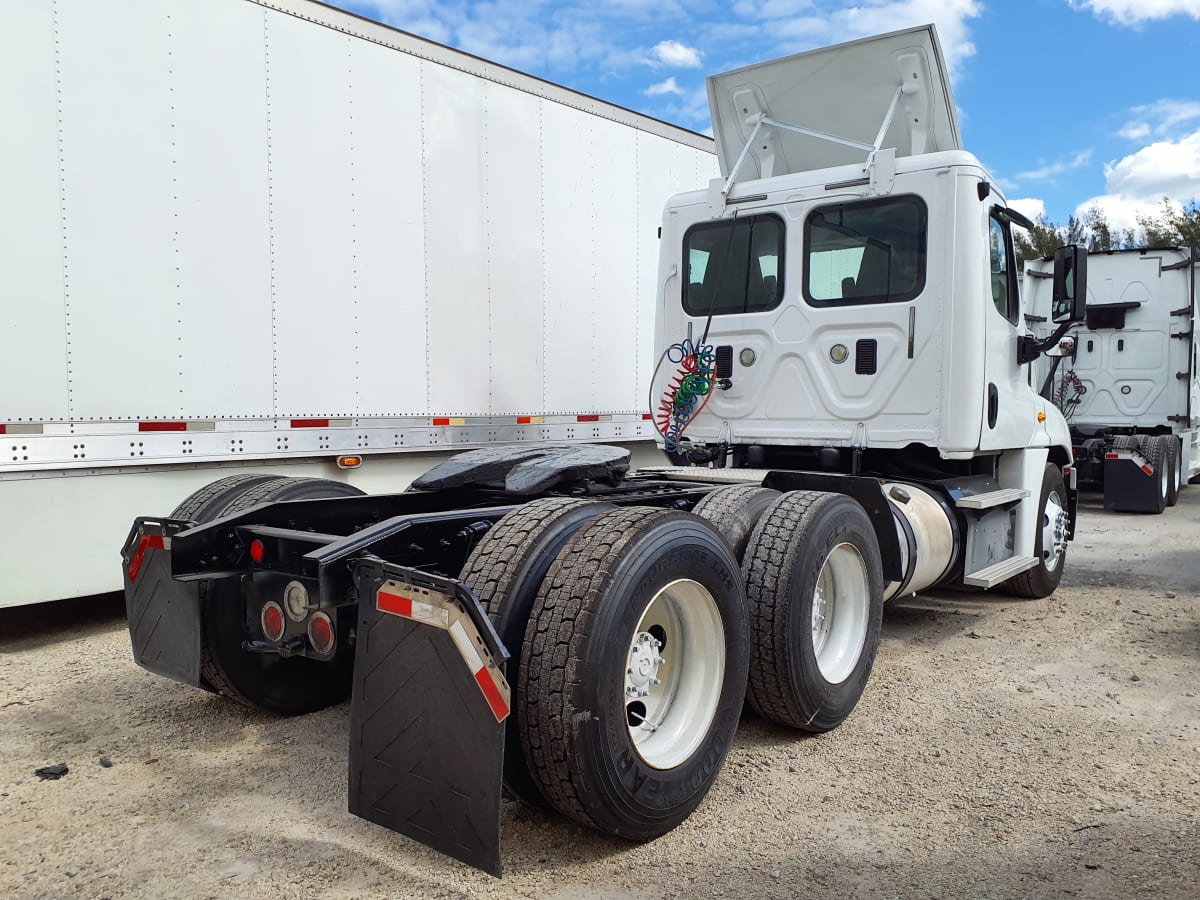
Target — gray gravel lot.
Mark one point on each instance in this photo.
(1004, 748)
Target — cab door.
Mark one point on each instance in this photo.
(1010, 405)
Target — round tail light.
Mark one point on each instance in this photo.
(321, 634)
(295, 601)
(272, 620)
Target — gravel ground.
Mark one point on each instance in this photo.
(1003, 748)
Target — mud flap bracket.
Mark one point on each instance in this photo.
(427, 718)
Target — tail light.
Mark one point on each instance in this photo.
(321, 633)
(272, 620)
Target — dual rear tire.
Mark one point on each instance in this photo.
(639, 645)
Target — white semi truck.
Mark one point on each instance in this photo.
(1125, 377)
(843, 386)
(243, 237)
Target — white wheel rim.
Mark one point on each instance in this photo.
(673, 673)
(1164, 479)
(1054, 532)
(840, 608)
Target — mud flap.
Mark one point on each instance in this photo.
(1130, 483)
(427, 718)
(164, 614)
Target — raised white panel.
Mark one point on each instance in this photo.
(569, 167)
(388, 240)
(33, 353)
(456, 242)
(513, 189)
(308, 94)
(615, 245)
(222, 250)
(123, 302)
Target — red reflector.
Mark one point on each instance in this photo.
(162, 426)
(587, 418)
(257, 551)
(272, 621)
(394, 604)
(148, 542)
(523, 420)
(492, 694)
(320, 633)
(310, 423)
(441, 421)
(1111, 456)
(1147, 470)
(3, 429)
(646, 417)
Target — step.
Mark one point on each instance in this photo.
(1001, 571)
(992, 498)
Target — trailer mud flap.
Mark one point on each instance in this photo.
(164, 614)
(427, 718)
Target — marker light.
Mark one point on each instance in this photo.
(257, 551)
(272, 620)
(349, 462)
(1041, 417)
(321, 634)
(295, 601)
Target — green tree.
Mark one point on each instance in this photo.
(1041, 240)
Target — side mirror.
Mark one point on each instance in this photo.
(1069, 302)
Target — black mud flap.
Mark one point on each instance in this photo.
(1130, 483)
(427, 719)
(164, 614)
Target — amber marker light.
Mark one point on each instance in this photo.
(349, 462)
(1041, 417)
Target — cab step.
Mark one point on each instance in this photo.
(1001, 571)
(992, 498)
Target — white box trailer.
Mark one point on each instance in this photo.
(1126, 377)
(244, 234)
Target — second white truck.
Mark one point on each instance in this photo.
(1125, 377)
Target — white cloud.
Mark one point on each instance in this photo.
(1030, 207)
(673, 53)
(1162, 118)
(1135, 12)
(1138, 182)
(663, 87)
(1051, 170)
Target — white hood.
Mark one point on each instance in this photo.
(844, 91)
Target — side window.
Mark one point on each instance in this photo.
(733, 266)
(1004, 286)
(869, 251)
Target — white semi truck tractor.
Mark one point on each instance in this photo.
(844, 392)
(1125, 377)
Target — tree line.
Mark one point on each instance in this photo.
(1171, 226)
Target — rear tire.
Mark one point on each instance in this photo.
(814, 586)
(735, 511)
(640, 599)
(505, 572)
(288, 686)
(205, 504)
(1042, 580)
(1175, 462)
(1155, 449)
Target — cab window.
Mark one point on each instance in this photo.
(733, 266)
(1004, 287)
(868, 251)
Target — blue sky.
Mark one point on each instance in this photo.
(1068, 102)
